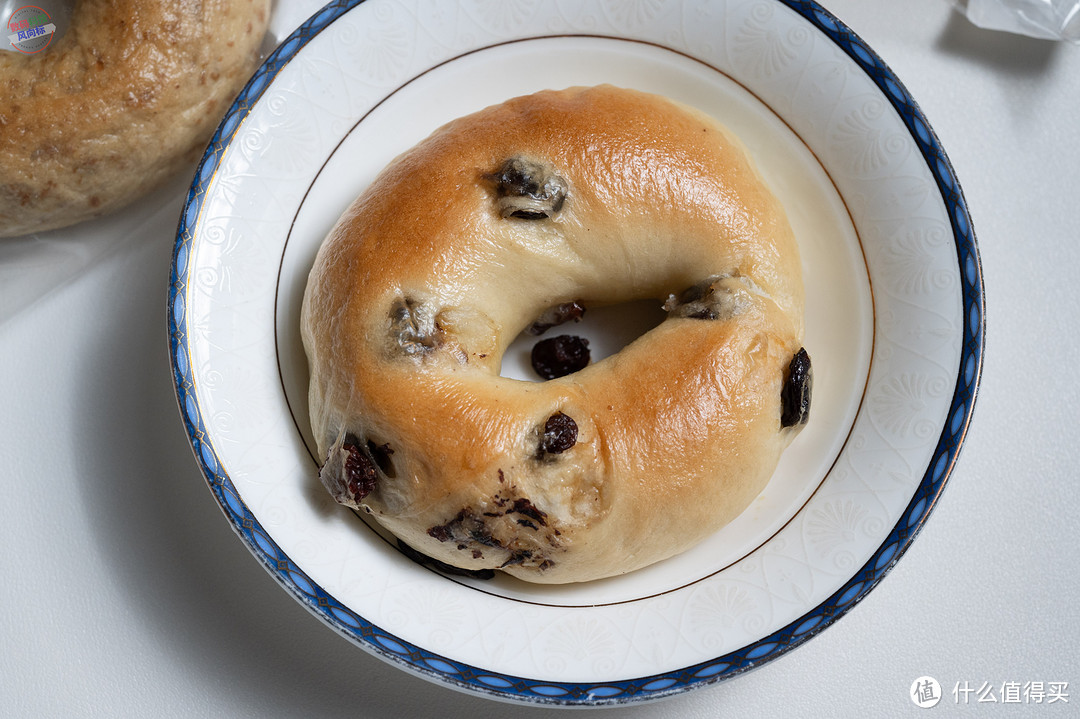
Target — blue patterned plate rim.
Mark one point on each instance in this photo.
(434, 666)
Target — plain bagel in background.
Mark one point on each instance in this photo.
(129, 96)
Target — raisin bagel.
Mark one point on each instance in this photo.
(126, 98)
(573, 198)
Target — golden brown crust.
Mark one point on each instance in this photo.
(423, 283)
(126, 98)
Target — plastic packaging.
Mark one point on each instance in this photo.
(1046, 19)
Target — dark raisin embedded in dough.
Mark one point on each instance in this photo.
(696, 292)
(360, 472)
(795, 394)
(481, 534)
(560, 434)
(446, 532)
(557, 315)
(517, 556)
(716, 298)
(413, 326)
(465, 526)
(528, 190)
(559, 356)
(696, 302)
(441, 532)
(527, 508)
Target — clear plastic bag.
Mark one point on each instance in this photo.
(1046, 19)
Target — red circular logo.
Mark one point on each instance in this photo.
(30, 29)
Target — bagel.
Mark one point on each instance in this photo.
(509, 219)
(126, 98)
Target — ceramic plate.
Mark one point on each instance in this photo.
(894, 324)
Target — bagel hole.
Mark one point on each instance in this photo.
(608, 329)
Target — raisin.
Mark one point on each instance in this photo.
(482, 535)
(524, 506)
(696, 292)
(413, 325)
(560, 434)
(445, 532)
(557, 315)
(441, 533)
(795, 394)
(711, 299)
(528, 190)
(695, 302)
(560, 356)
(464, 526)
(360, 472)
(517, 556)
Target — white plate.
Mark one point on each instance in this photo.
(894, 324)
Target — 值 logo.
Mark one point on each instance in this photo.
(31, 29)
(925, 692)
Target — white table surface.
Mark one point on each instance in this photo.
(126, 593)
